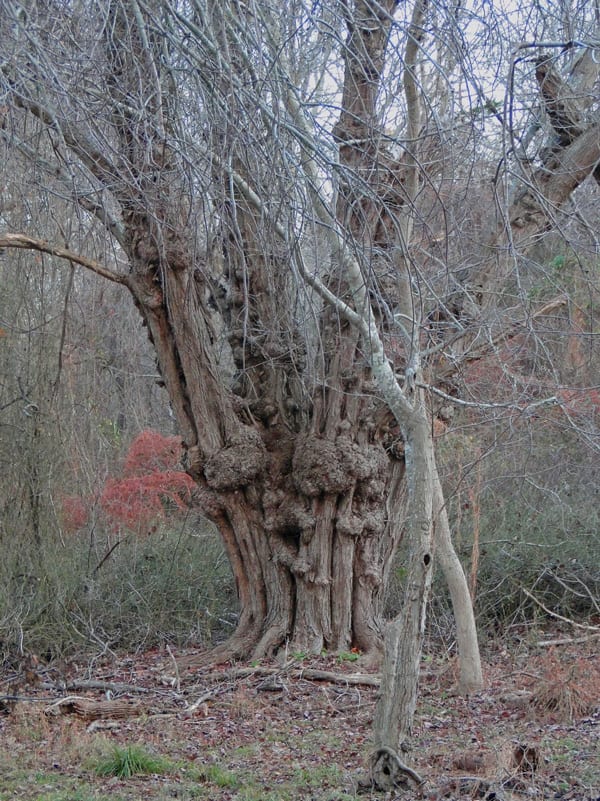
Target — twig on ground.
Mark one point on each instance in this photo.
(202, 699)
(177, 683)
(568, 640)
(90, 684)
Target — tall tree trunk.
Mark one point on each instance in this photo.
(299, 499)
(470, 672)
(378, 206)
(396, 705)
(404, 636)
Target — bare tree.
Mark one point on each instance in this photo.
(324, 500)
(271, 231)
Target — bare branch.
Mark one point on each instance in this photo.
(90, 155)
(482, 351)
(560, 617)
(24, 242)
(524, 409)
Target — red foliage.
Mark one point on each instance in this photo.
(136, 503)
(151, 451)
(75, 513)
(151, 487)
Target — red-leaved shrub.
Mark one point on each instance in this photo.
(151, 452)
(151, 483)
(151, 486)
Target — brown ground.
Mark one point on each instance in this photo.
(266, 733)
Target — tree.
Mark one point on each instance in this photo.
(271, 232)
(284, 433)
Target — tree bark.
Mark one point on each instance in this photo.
(404, 636)
(470, 672)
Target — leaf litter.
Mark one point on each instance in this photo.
(269, 732)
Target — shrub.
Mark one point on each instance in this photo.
(139, 502)
(152, 452)
(86, 595)
(151, 487)
(109, 588)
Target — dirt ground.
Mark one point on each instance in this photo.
(300, 729)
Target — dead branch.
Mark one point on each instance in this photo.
(312, 674)
(105, 686)
(90, 709)
(594, 629)
(24, 242)
(567, 640)
(339, 678)
(202, 699)
(481, 352)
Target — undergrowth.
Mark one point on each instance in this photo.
(99, 592)
(569, 688)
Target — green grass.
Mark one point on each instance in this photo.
(221, 777)
(318, 776)
(20, 784)
(131, 760)
(348, 656)
(71, 795)
(214, 776)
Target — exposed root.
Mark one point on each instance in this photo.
(270, 641)
(290, 670)
(388, 771)
(237, 648)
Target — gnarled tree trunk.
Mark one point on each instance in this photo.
(296, 478)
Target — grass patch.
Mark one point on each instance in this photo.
(247, 751)
(219, 776)
(46, 786)
(131, 760)
(318, 776)
(348, 656)
(572, 761)
(73, 795)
